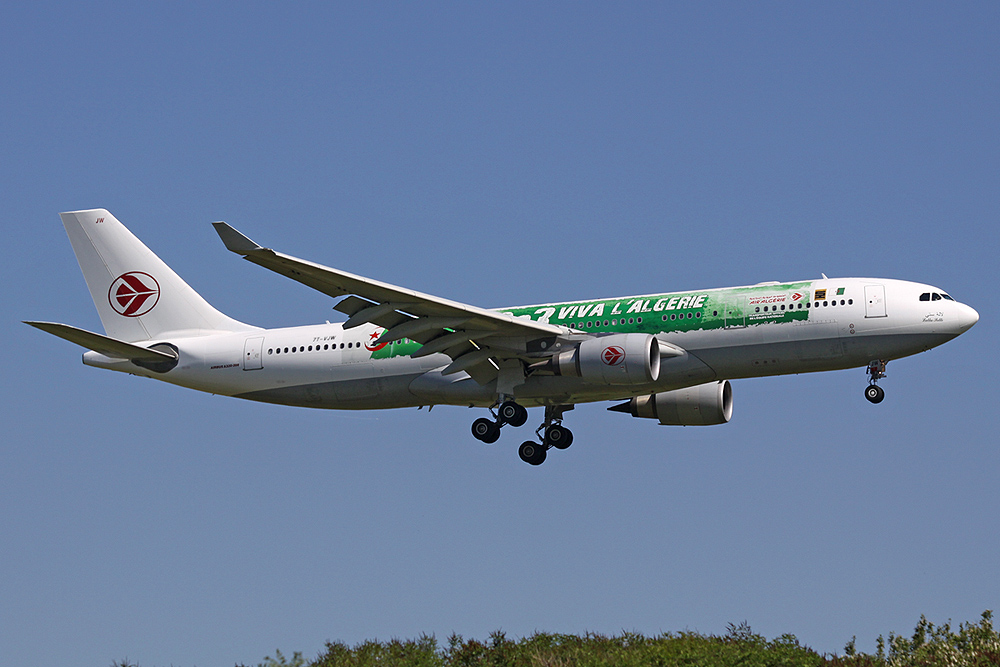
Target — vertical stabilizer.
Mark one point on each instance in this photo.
(137, 295)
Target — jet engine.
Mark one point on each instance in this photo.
(702, 405)
(623, 359)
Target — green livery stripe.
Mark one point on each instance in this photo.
(679, 311)
(663, 313)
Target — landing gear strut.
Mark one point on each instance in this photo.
(551, 433)
(876, 371)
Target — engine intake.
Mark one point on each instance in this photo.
(622, 359)
(701, 405)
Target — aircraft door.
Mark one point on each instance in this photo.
(875, 301)
(253, 354)
(735, 306)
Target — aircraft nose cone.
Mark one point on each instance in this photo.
(967, 316)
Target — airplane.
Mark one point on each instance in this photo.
(668, 357)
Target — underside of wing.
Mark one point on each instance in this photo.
(480, 342)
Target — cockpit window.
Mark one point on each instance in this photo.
(946, 296)
(935, 297)
(926, 296)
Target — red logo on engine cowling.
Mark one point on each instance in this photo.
(613, 355)
(133, 294)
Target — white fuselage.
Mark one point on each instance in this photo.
(328, 366)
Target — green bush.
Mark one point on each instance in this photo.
(974, 645)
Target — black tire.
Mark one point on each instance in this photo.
(558, 436)
(531, 452)
(485, 430)
(874, 393)
(513, 414)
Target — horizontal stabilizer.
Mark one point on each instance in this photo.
(109, 347)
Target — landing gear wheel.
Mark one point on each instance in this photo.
(874, 393)
(531, 452)
(485, 430)
(558, 436)
(512, 413)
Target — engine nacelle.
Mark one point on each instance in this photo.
(702, 405)
(630, 358)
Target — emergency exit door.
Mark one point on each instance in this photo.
(252, 354)
(875, 301)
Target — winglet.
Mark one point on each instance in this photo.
(234, 240)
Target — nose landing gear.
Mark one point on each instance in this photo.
(876, 371)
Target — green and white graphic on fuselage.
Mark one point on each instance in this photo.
(399, 348)
(679, 311)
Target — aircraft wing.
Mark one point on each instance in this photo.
(479, 341)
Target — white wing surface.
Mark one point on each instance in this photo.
(479, 341)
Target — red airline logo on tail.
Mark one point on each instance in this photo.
(133, 294)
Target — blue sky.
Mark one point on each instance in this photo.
(495, 155)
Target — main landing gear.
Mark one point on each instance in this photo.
(551, 433)
(488, 430)
(876, 371)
